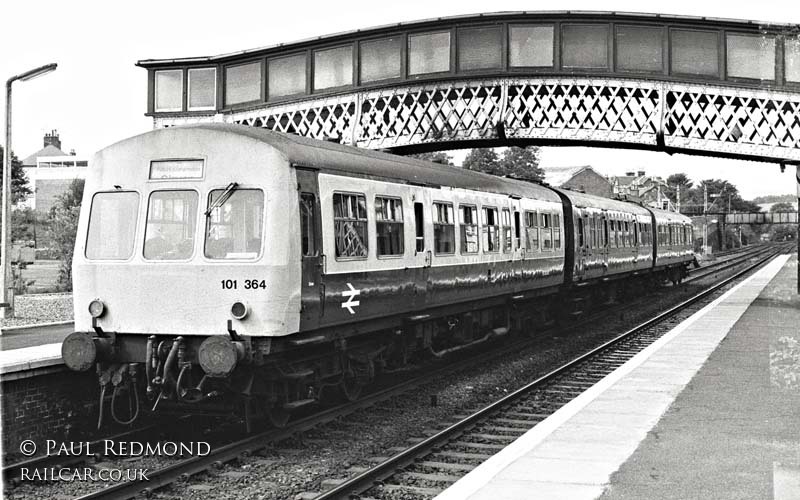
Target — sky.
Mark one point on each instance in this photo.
(97, 96)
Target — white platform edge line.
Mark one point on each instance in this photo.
(478, 477)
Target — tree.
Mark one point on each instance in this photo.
(19, 181)
(483, 160)
(680, 182)
(522, 163)
(782, 207)
(63, 218)
(436, 157)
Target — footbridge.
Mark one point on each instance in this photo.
(678, 84)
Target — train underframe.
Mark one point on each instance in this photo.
(270, 379)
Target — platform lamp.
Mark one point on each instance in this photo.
(7, 306)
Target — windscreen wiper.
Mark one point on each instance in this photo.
(222, 198)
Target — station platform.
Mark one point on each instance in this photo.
(710, 410)
(29, 362)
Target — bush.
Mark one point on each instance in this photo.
(63, 222)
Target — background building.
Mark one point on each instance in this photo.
(583, 178)
(50, 172)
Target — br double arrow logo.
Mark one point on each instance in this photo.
(351, 294)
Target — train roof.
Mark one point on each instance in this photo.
(579, 200)
(336, 158)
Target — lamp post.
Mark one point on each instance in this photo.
(7, 306)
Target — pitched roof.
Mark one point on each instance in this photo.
(48, 150)
(558, 176)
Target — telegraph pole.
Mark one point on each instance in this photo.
(705, 218)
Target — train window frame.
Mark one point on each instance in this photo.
(213, 105)
(180, 93)
(507, 244)
(379, 222)
(463, 227)
(556, 232)
(208, 222)
(546, 231)
(191, 218)
(365, 220)
(532, 228)
(262, 84)
(450, 224)
(486, 230)
(134, 237)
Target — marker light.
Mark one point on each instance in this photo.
(239, 310)
(97, 308)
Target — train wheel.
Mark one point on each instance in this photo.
(278, 416)
(351, 387)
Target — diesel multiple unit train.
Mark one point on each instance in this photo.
(233, 267)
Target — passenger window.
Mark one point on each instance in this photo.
(605, 232)
(419, 227)
(171, 223)
(112, 225)
(546, 224)
(350, 225)
(581, 241)
(444, 230)
(490, 230)
(556, 231)
(307, 212)
(626, 235)
(469, 229)
(234, 224)
(389, 226)
(506, 230)
(517, 231)
(636, 234)
(532, 230)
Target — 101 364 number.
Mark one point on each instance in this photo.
(251, 284)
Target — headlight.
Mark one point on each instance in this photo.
(239, 310)
(97, 308)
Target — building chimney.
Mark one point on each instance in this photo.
(72, 152)
(641, 173)
(52, 139)
(630, 174)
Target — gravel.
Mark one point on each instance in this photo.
(40, 308)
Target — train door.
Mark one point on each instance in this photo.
(604, 242)
(312, 288)
(422, 246)
(581, 252)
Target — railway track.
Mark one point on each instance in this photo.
(183, 469)
(430, 466)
